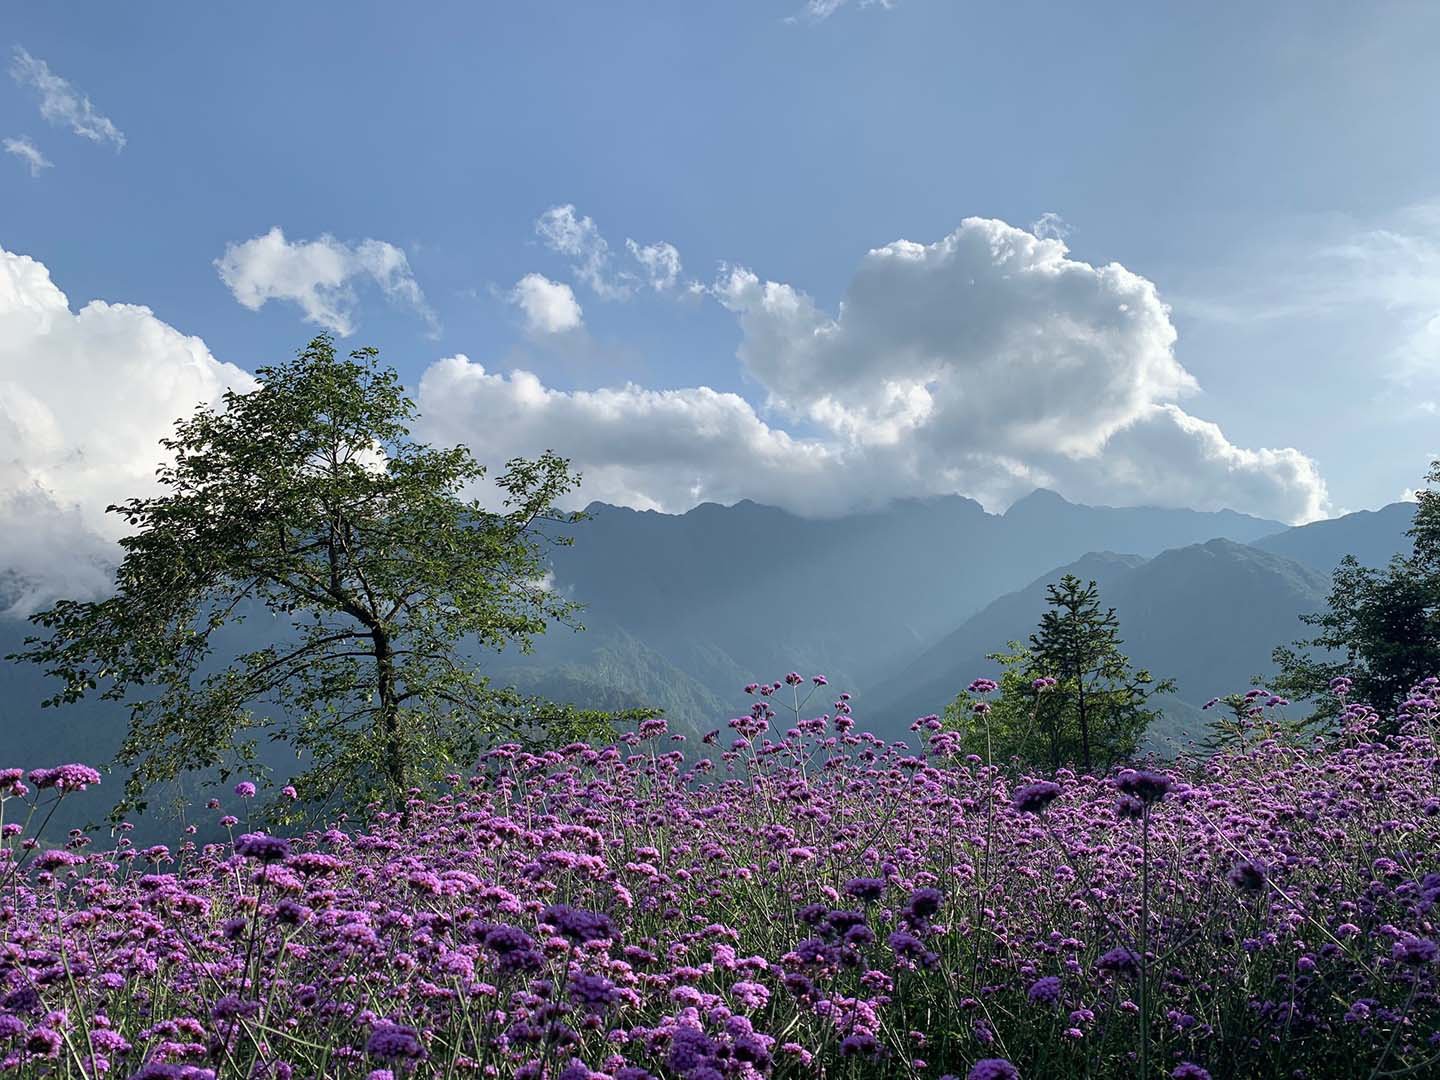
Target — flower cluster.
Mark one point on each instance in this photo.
(809, 901)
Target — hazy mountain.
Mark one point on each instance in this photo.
(732, 594)
(1206, 615)
(684, 609)
(1372, 536)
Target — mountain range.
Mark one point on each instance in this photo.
(898, 606)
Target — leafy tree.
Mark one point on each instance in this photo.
(1010, 726)
(1094, 710)
(1381, 628)
(306, 501)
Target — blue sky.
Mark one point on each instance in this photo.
(1267, 174)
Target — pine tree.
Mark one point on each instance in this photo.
(1078, 644)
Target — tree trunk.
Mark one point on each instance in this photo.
(389, 719)
(1084, 724)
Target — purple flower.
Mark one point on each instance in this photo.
(394, 1042)
(993, 1069)
(1144, 784)
(245, 789)
(577, 924)
(859, 1044)
(593, 992)
(65, 777)
(1034, 798)
(1188, 1071)
(262, 848)
(1414, 951)
(923, 903)
(1129, 807)
(1045, 990)
(866, 888)
(1121, 961)
(1248, 875)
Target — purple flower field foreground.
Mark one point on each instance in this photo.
(809, 902)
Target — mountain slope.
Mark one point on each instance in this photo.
(1372, 536)
(1206, 615)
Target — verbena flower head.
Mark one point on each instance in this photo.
(1128, 807)
(993, 1069)
(1034, 798)
(245, 789)
(1414, 951)
(923, 903)
(866, 888)
(1045, 990)
(1188, 1071)
(1120, 961)
(1146, 785)
(1248, 875)
(263, 848)
(395, 1042)
(577, 924)
(65, 777)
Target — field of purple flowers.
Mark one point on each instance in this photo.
(809, 901)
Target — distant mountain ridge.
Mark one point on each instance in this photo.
(684, 609)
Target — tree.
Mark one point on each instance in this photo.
(1385, 624)
(1380, 628)
(1069, 696)
(1079, 645)
(1010, 726)
(307, 499)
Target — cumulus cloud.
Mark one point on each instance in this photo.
(29, 153)
(985, 363)
(61, 103)
(1168, 456)
(989, 339)
(85, 398)
(319, 276)
(549, 306)
(652, 449)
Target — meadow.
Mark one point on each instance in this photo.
(806, 900)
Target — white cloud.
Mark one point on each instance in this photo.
(318, 275)
(661, 263)
(567, 233)
(989, 339)
(29, 153)
(985, 363)
(820, 10)
(634, 446)
(1170, 457)
(549, 306)
(61, 103)
(1051, 226)
(85, 398)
